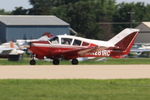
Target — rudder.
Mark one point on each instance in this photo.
(125, 39)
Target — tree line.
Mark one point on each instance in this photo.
(95, 19)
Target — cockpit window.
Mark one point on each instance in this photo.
(54, 40)
(66, 41)
(77, 42)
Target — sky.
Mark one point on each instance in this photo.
(10, 5)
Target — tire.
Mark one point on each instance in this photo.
(56, 62)
(32, 62)
(75, 62)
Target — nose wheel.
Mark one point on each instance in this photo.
(75, 62)
(33, 62)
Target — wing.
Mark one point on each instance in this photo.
(79, 52)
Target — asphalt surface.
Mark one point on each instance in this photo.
(75, 72)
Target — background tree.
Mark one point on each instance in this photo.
(85, 17)
(146, 14)
(123, 15)
(20, 11)
(3, 12)
(43, 7)
(88, 17)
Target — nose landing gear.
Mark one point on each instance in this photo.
(33, 62)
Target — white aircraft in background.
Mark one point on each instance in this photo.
(139, 49)
(145, 46)
(10, 48)
(24, 44)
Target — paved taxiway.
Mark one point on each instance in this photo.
(75, 72)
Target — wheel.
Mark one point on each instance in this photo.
(74, 62)
(56, 61)
(32, 62)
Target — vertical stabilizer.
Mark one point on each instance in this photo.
(125, 39)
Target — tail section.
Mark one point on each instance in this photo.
(125, 39)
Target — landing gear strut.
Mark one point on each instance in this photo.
(32, 62)
(56, 61)
(74, 62)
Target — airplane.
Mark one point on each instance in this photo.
(8, 49)
(71, 47)
(18, 47)
(145, 46)
(138, 49)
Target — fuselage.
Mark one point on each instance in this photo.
(57, 46)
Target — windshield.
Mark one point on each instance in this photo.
(54, 40)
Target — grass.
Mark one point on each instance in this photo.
(75, 89)
(26, 60)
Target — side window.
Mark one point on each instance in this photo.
(66, 41)
(77, 42)
(85, 44)
(54, 40)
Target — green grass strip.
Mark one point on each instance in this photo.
(75, 89)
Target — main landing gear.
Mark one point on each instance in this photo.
(32, 62)
(74, 62)
(56, 62)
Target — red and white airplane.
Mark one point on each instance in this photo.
(71, 47)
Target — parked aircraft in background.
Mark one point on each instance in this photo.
(145, 46)
(23, 44)
(71, 47)
(10, 48)
(139, 49)
(18, 47)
